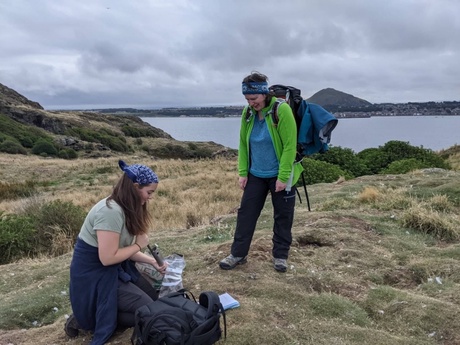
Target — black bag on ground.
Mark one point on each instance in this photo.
(177, 319)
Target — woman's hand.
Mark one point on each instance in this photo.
(161, 269)
(280, 186)
(242, 181)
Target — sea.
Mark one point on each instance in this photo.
(430, 132)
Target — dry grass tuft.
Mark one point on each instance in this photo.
(440, 225)
(369, 194)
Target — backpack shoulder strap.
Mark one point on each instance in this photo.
(247, 113)
(274, 111)
(211, 301)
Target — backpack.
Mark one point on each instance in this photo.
(314, 124)
(177, 319)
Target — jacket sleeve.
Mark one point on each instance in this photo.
(243, 148)
(287, 131)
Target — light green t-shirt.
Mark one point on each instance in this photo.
(102, 217)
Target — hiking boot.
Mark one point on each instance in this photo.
(280, 264)
(231, 261)
(71, 327)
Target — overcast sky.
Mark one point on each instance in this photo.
(74, 54)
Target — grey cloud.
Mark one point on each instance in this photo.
(186, 52)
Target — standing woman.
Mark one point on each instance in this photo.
(266, 157)
(105, 286)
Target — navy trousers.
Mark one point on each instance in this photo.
(252, 203)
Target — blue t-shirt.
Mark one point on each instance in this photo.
(263, 157)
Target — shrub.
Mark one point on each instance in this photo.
(44, 148)
(104, 136)
(374, 159)
(26, 135)
(345, 158)
(137, 132)
(26, 142)
(114, 143)
(403, 166)
(317, 171)
(68, 153)
(17, 237)
(12, 147)
(398, 150)
(131, 131)
(58, 219)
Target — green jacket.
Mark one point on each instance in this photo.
(284, 140)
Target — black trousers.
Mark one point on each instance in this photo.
(132, 296)
(252, 202)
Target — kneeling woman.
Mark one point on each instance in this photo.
(105, 286)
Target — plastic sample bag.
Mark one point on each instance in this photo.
(172, 280)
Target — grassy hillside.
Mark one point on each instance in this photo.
(25, 128)
(375, 261)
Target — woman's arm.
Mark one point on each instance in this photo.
(109, 252)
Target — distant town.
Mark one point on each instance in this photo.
(383, 109)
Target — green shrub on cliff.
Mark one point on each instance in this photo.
(104, 136)
(26, 135)
(12, 147)
(44, 148)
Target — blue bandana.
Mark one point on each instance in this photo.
(255, 88)
(138, 173)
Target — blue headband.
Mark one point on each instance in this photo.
(253, 88)
(138, 173)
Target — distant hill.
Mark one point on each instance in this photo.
(331, 98)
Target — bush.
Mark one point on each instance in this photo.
(398, 150)
(104, 136)
(42, 229)
(317, 171)
(403, 166)
(26, 135)
(12, 147)
(345, 158)
(68, 154)
(114, 143)
(58, 222)
(374, 159)
(17, 237)
(378, 160)
(178, 151)
(26, 142)
(137, 132)
(44, 148)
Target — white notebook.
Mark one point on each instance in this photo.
(228, 302)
